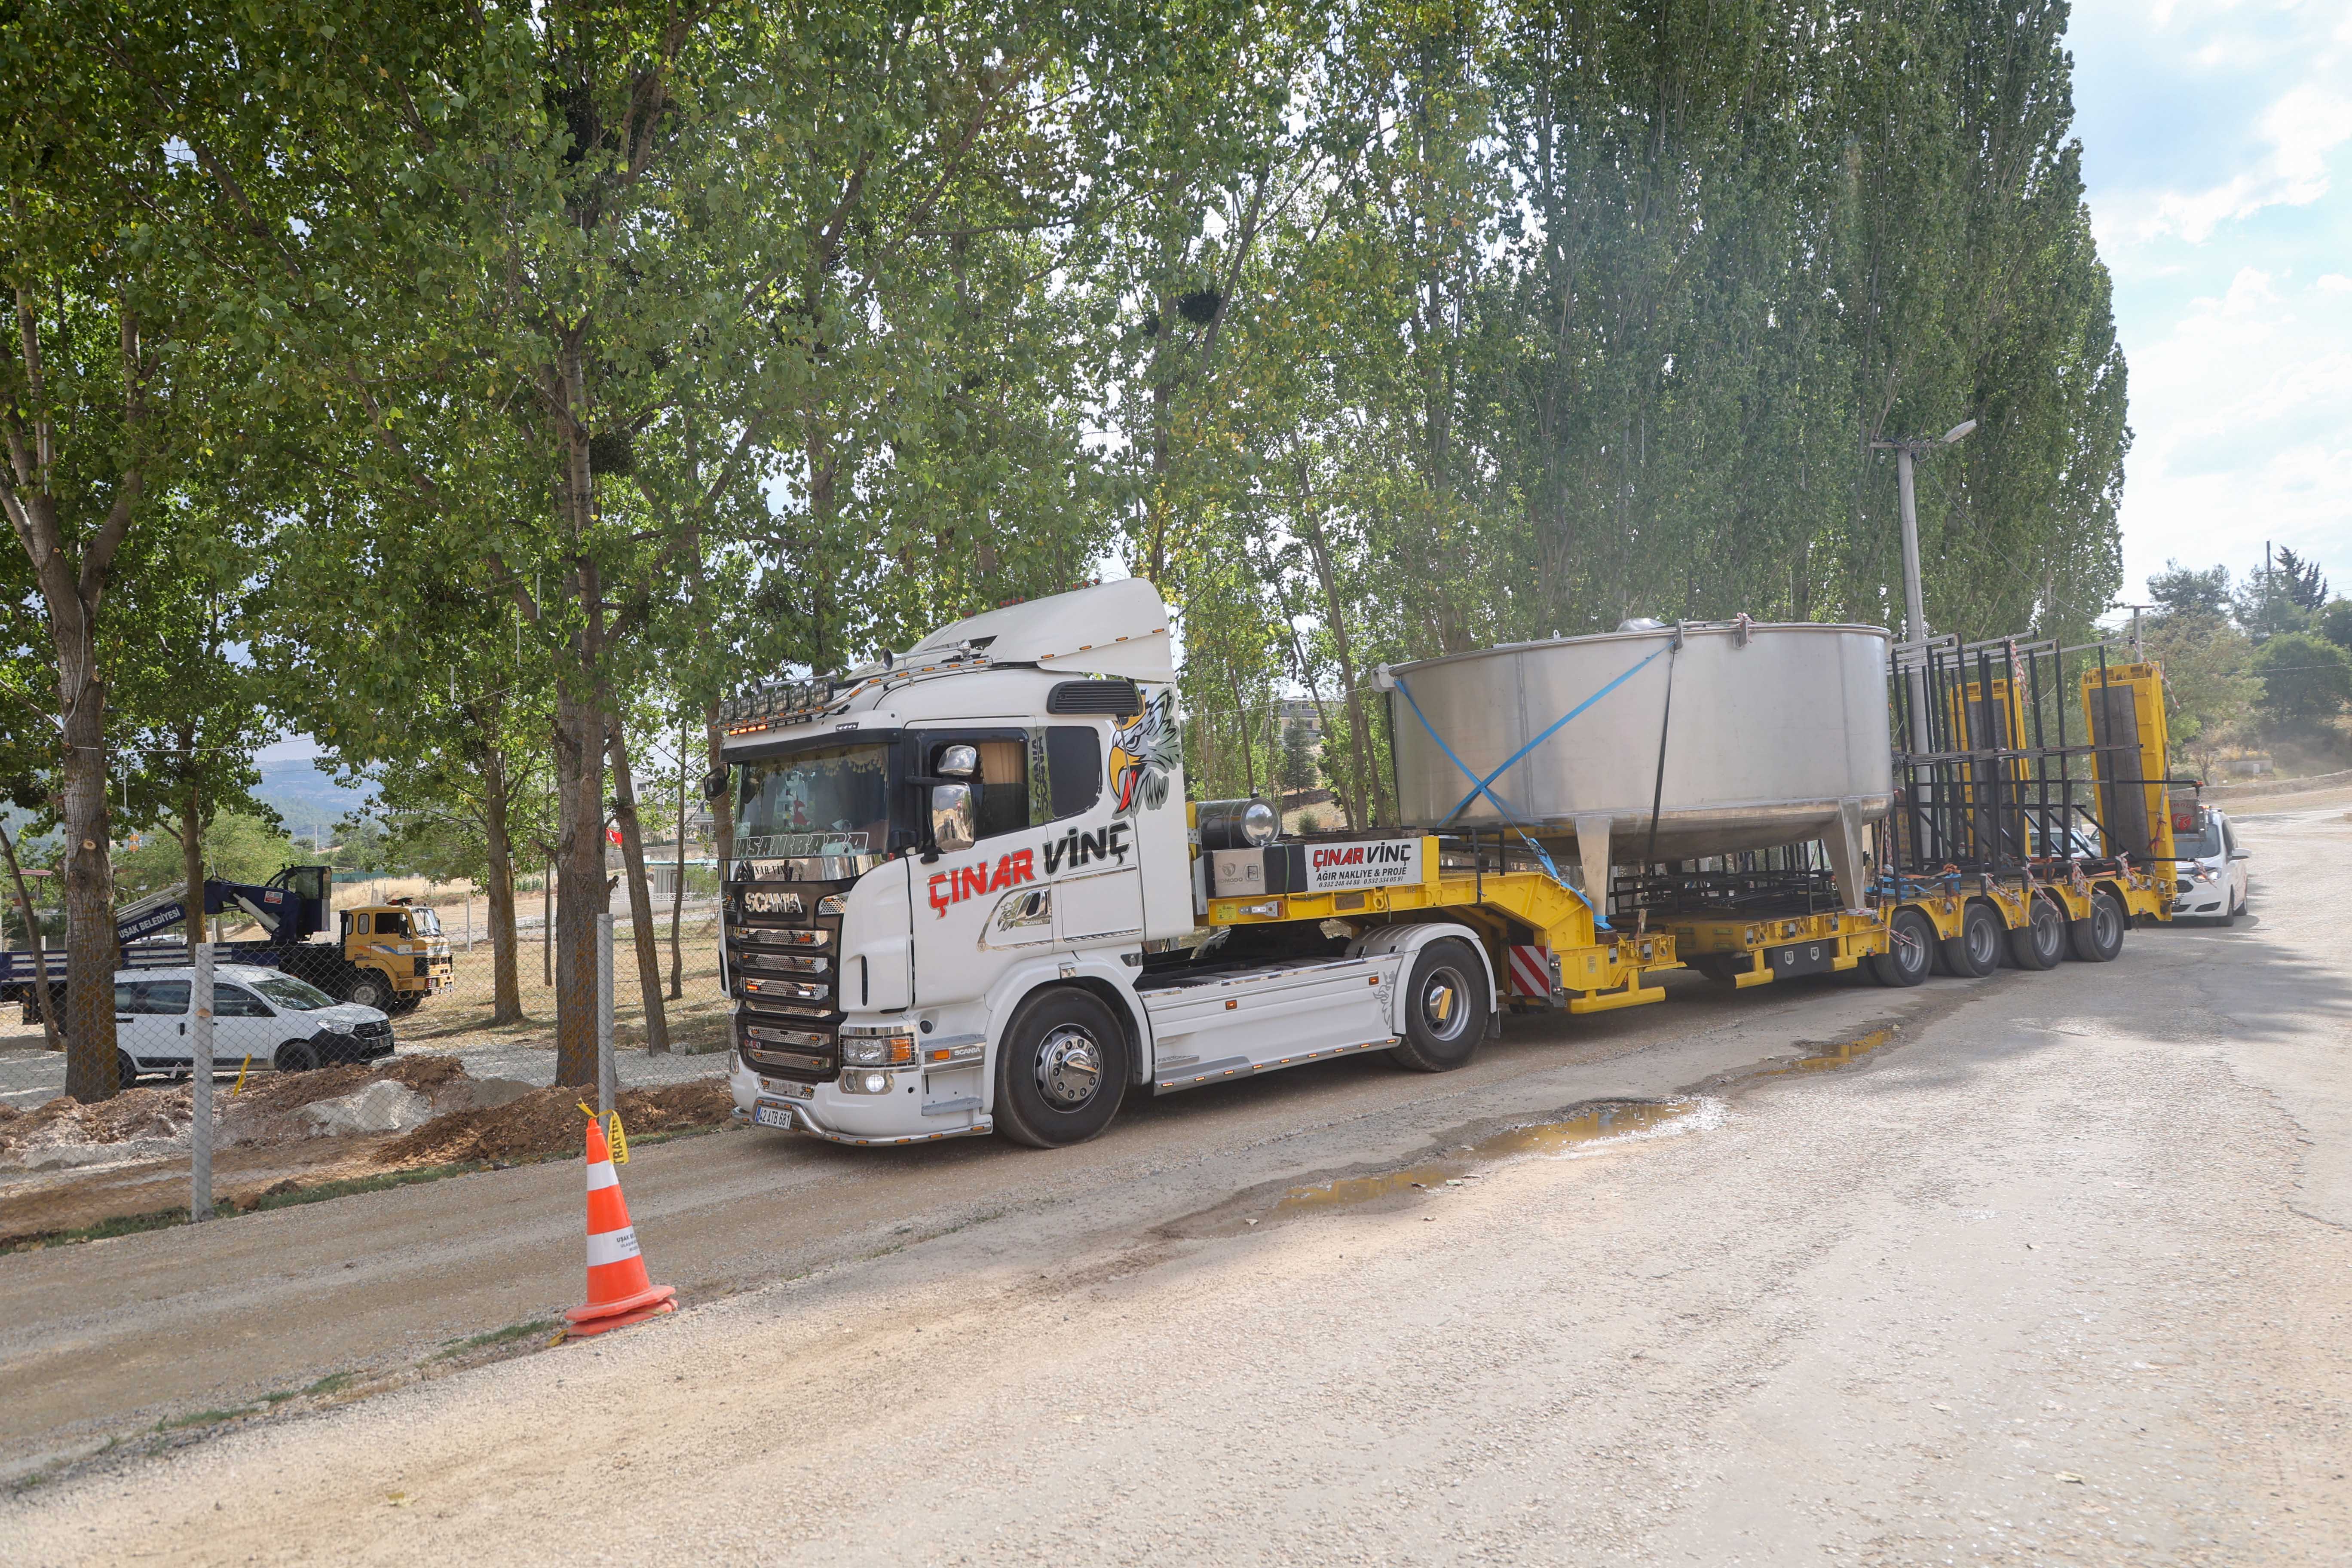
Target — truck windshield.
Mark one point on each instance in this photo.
(833, 802)
(425, 923)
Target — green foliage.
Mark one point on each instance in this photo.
(2303, 584)
(2306, 681)
(1298, 770)
(2180, 590)
(2334, 622)
(238, 847)
(2267, 606)
(2208, 681)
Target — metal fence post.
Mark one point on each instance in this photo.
(605, 1084)
(200, 1085)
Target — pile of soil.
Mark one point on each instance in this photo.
(270, 1108)
(547, 1123)
(152, 1117)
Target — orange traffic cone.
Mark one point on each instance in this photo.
(619, 1293)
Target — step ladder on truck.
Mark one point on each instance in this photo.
(2017, 836)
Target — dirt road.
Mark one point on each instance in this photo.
(2060, 1270)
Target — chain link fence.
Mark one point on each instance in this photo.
(689, 995)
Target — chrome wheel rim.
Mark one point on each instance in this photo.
(1069, 1068)
(1983, 943)
(1445, 1003)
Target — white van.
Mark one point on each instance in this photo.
(262, 1016)
(2212, 874)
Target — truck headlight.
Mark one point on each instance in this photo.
(879, 1050)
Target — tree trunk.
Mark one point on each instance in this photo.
(1360, 738)
(91, 952)
(641, 902)
(722, 810)
(41, 993)
(580, 891)
(506, 973)
(678, 883)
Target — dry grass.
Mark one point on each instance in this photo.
(697, 1017)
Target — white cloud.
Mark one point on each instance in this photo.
(2243, 410)
(2300, 129)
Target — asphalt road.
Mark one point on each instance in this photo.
(2059, 1271)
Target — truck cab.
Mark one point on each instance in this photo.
(394, 955)
(922, 843)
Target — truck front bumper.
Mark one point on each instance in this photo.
(826, 1110)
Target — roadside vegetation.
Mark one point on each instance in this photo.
(488, 393)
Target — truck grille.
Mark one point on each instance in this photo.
(781, 972)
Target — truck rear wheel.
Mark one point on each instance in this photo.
(1910, 950)
(1975, 951)
(2098, 936)
(2040, 941)
(1445, 1008)
(1061, 1070)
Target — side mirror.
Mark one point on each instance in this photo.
(2241, 854)
(952, 826)
(714, 782)
(959, 761)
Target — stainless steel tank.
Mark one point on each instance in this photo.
(1778, 733)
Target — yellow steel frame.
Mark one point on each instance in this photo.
(1599, 971)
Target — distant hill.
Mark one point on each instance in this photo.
(307, 797)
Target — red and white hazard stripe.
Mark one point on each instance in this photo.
(1531, 971)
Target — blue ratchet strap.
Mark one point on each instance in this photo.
(1478, 787)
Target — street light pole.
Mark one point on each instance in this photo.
(1914, 595)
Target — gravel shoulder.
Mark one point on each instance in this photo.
(2061, 1271)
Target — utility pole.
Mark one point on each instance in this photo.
(1915, 596)
(2140, 649)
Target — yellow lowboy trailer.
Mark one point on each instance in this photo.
(1533, 925)
(2033, 874)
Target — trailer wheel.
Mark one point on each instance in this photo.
(1062, 1071)
(369, 989)
(1445, 1008)
(1910, 950)
(2040, 941)
(1975, 952)
(2098, 937)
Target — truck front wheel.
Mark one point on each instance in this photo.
(1061, 1070)
(1445, 1008)
(369, 989)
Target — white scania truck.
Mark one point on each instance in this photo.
(967, 879)
(958, 878)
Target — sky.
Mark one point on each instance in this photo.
(2217, 149)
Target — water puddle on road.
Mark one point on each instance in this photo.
(1575, 1132)
(1586, 1125)
(1838, 1053)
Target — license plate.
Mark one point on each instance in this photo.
(776, 1116)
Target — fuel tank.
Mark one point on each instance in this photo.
(1744, 735)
